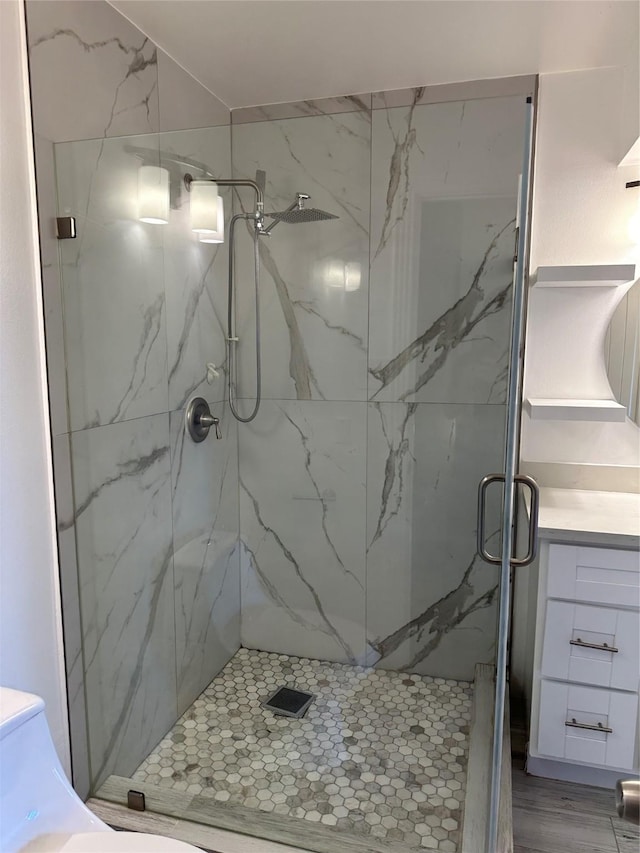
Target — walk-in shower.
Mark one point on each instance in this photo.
(327, 546)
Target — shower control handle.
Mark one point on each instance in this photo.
(209, 421)
(199, 420)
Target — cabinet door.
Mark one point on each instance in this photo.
(570, 721)
(596, 575)
(572, 630)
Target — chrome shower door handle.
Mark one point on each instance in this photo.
(532, 549)
(485, 482)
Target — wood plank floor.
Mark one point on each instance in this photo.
(558, 817)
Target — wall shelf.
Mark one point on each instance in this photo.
(559, 409)
(596, 275)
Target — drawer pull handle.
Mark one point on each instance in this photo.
(574, 724)
(604, 647)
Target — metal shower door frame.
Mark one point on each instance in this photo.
(510, 479)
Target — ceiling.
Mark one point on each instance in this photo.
(250, 52)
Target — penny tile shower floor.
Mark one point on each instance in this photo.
(378, 753)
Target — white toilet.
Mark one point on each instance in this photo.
(39, 810)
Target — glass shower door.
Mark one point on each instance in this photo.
(445, 340)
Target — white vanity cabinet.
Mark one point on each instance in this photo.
(586, 673)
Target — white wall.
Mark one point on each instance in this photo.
(580, 205)
(30, 622)
(581, 212)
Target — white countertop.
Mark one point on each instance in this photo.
(593, 518)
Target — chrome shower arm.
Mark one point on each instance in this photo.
(245, 182)
(267, 231)
(235, 182)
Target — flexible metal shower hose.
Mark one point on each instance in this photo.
(232, 340)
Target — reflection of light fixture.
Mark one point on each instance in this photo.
(352, 276)
(215, 236)
(204, 208)
(333, 274)
(340, 276)
(153, 195)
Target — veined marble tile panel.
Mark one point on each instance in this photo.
(195, 273)
(430, 599)
(314, 290)
(302, 522)
(298, 109)
(93, 73)
(72, 627)
(113, 286)
(497, 87)
(184, 102)
(449, 340)
(204, 480)
(122, 485)
(444, 188)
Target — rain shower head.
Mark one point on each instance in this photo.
(297, 212)
(301, 214)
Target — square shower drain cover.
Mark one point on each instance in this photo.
(289, 702)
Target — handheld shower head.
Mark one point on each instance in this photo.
(261, 180)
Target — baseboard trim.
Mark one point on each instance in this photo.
(581, 774)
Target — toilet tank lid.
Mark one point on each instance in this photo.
(16, 708)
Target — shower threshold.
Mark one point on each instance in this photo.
(379, 763)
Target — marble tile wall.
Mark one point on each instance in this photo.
(302, 504)
(204, 484)
(143, 317)
(303, 460)
(195, 273)
(122, 487)
(444, 184)
(314, 329)
(148, 522)
(113, 287)
(430, 598)
(95, 75)
(383, 402)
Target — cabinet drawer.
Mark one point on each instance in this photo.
(562, 703)
(569, 631)
(596, 575)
